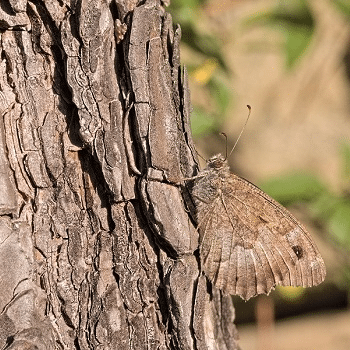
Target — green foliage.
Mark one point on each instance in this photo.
(210, 73)
(201, 122)
(220, 92)
(298, 39)
(322, 206)
(343, 6)
(339, 223)
(293, 188)
(294, 19)
(345, 155)
(188, 14)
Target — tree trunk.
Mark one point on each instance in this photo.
(99, 248)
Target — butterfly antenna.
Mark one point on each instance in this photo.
(224, 135)
(200, 156)
(240, 134)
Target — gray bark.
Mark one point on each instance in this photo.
(98, 246)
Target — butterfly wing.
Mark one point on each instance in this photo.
(250, 243)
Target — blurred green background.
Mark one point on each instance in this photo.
(289, 60)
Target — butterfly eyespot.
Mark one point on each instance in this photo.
(298, 251)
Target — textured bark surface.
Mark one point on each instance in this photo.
(98, 247)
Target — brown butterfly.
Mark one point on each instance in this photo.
(249, 243)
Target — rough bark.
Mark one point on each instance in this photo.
(98, 247)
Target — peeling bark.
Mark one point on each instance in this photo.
(98, 245)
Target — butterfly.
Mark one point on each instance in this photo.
(249, 243)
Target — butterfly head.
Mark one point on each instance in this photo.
(219, 164)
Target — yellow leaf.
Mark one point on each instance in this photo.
(290, 293)
(204, 72)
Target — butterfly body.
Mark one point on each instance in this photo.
(249, 243)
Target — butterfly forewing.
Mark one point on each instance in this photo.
(248, 242)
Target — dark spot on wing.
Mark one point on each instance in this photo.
(298, 251)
